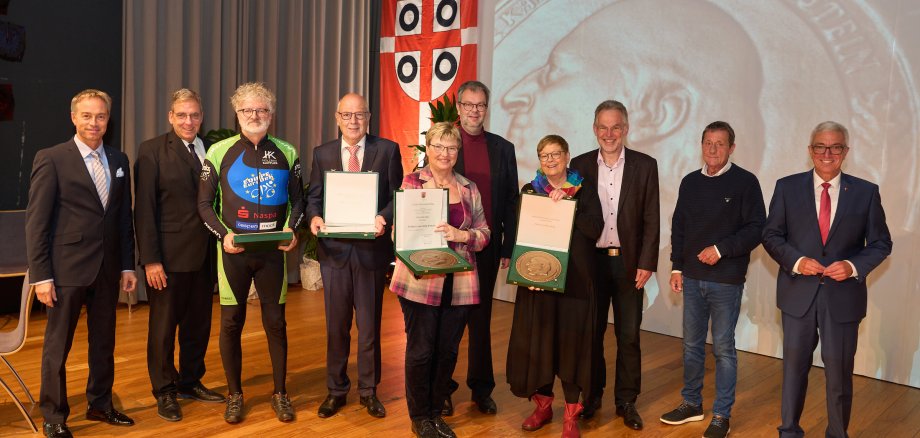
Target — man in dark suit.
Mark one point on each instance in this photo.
(488, 160)
(79, 237)
(354, 270)
(627, 252)
(176, 251)
(827, 231)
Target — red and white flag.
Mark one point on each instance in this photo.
(427, 49)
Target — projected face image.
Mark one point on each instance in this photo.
(547, 88)
(667, 108)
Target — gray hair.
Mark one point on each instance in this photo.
(184, 94)
(831, 126)
(611, 105)
(473, 86)
(252, 90)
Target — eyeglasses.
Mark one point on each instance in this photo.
(836, 149)
(551, 156)
(478, 106)
(192, 116)
(358, 115)
(440, 149)
(260, 112)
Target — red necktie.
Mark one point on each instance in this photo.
(353, 165)
(824, 214)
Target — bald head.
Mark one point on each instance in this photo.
(352, 116)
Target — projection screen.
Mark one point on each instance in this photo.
(771, 69)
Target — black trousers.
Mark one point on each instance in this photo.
(100, 298)
(480, 377)
(185, 303)
(614, 288)
(353, 292)
(433, 335)
(267, 270)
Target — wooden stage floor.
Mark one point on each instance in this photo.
(880, 409)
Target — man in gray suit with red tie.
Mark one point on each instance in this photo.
(80, 245)
(354, 270)
(827, 231)
(177, 253)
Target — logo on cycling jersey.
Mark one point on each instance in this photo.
(297, 169)
(269, 158)
(263, 186)
(205, 171)
(268, 225)
(248, 226)
(242, 213)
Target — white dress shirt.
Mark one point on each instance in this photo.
(609, 184)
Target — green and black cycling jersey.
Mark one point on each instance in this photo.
(248, 188)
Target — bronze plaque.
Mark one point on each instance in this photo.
(538, 266)
(431, 258)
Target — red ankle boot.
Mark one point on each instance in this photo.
(541, 415)
(570, 418)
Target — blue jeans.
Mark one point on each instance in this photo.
(721, 302)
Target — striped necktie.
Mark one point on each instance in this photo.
(353, 165)
(102, 186)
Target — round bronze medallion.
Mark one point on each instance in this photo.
(431, 258)
(538, 266)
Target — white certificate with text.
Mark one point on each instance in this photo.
(418, 211)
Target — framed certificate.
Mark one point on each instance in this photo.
(349, 205)
(416, 212)
(262, 241)
(541, 253)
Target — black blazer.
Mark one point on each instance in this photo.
(169, 229)
(381, 156)
(69, 236)
(505, 197)
(638, 218)
(858, 234)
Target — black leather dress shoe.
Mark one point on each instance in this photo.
(630, 415)
(168, 408)
(56, 430)
(424, 429)
(590, 408)
(444, 430)
(486, 405)
(374, 407)
(200, 393)
(448, 409)
(330, 406)
(110, 416)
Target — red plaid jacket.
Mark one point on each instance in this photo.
(427, 289)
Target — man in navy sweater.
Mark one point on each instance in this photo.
(717, 222)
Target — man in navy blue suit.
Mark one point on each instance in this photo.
(354, 270)
(827, 231)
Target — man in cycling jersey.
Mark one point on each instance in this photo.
(251, 183)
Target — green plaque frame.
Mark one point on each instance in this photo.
(405, 254)
(263, 240)
(531, 205)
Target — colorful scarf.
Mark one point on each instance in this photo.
(572, 183)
